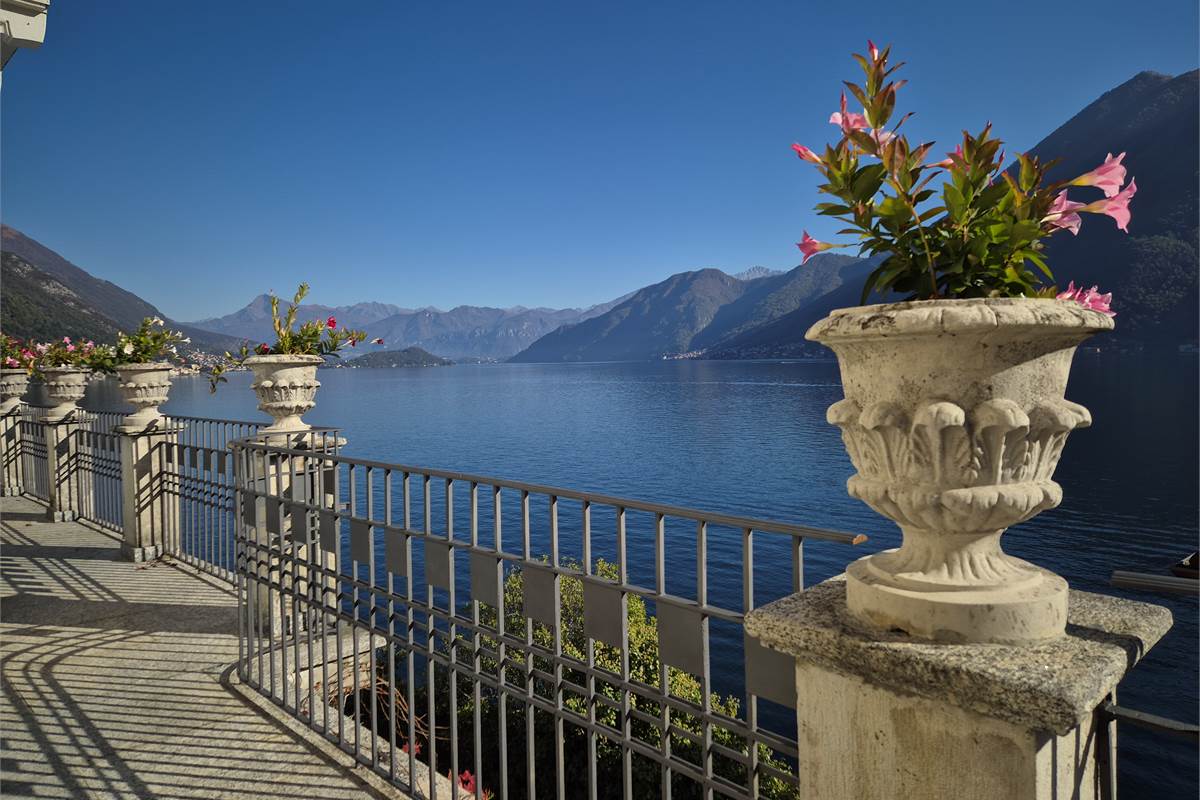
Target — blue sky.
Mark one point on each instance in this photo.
(555, 154)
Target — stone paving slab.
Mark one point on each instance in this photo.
(118, 682)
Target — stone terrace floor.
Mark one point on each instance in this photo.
(119, 681)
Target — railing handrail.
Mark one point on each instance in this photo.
(698, 515)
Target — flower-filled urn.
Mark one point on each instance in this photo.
(286, 386)
(954, 419)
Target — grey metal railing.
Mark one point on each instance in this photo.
(572, 659)
(32, 452)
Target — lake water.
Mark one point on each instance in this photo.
(750, 438)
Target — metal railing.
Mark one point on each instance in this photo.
(97, 475)
(573, 657)
(32, 452)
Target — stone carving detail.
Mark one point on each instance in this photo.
(145, 387)
(944, 467)
(65, 387)
(955, 419)
(13, 383)
(286, 387)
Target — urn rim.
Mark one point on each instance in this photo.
(284, 360)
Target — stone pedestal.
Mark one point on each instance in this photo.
(150, 514)
(67, 486)
(290, 541)
(11, 484)
(886, 715)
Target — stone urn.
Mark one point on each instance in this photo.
(13, 384)
(954, 418)
(65, 387)
(145, 387)
(286, 386)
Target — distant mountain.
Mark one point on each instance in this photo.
(757, 272)
(68, 298)
(1152, 271)
(254, 321)
(408, 357)
(464, 333)
(688, 312)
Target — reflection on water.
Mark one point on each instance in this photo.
(751, 438)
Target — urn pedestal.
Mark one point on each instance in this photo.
(145, 387)
(65, 387)
(954, 418)
(13, 385)
(286, 386)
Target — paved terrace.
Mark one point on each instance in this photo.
(118, 681)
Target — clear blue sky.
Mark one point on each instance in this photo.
(506, 153)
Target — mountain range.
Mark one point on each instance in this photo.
(759, 313)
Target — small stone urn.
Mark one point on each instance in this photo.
(954, 418)
(65, 387)
(145, 387)
(286, 386)
(13, 383)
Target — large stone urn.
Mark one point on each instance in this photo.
(145, 387)
(65, 387)
(286, 386)
(13, 384)
(954, 418)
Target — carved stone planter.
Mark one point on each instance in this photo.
(65, 387)
(286, 387)
(145, 387)
(954, 418)
(13, 384)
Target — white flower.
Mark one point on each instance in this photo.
(127, 349)
(156, 321)
(187, 340)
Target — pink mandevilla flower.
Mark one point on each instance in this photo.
(1089, 298)
(873, 50)
(951, 158)
(467, 781)
(331, 323)
(70, 348)
(1116, 206)
(1107, 177)
(848, 120)
(810, 246)
(66, 340)
(9, 361)
(1063, 213)
(806, 154)
(377, 341)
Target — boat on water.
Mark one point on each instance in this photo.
(1188, 567)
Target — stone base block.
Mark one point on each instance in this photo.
(11, 491)
(140, 554)
(60, 516)
(1035, 611)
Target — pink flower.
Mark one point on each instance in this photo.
(873, 50)
(1116, 207)
(66, 340)
(1089, 298)
(377, 341)
(467, 781)
(1107, 177)
(416, 749)
(849, 120)
(1063, 213)
(950, 158)
(42, 348)
(810, 246)
(70, 348)
(882, 137)
(9, 361)
(806, 154)
(331, 323)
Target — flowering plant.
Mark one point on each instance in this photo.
(312, 338)
(979, 235)
(150, 342)
(14, 354)
(65, 353)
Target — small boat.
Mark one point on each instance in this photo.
(1188, 567)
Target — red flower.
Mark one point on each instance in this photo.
(263, 349)
(467, 781)
(416, 750)
(331, 323)
(377, 341)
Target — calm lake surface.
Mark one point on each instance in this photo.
(750, 438)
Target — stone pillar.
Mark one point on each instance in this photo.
(68, 486)
(884, 715)
(149, 512)
(11, 478)
(287, 529)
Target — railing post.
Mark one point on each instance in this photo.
(149, 512)
(68, 485)
(884, 715)
(11, 479)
